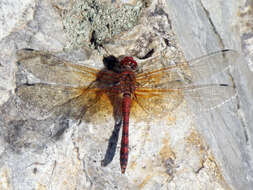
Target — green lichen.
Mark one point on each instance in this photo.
(90, 22)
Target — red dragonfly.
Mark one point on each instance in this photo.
(122, 89)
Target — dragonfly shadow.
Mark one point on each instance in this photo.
(112, 144)
(111, 63)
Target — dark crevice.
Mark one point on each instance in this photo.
(159, 11)
(243, 122)
(212, 24)
(202, 167)
(63, 126)
(149, 54)
(93, 40)
(167, 42)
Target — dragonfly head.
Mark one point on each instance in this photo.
(128, 63)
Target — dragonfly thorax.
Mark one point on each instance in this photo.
(128, 82)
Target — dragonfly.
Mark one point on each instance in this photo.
(123, 89)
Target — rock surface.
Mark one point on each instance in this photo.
(211, 150)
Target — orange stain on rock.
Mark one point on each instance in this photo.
(145, 181)
(166, 151)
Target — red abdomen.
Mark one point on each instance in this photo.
(126, 104)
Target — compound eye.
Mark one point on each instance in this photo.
(133, 66)
(130, 62)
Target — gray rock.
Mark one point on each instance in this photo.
(184, 150)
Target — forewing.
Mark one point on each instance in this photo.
(66, 88)
(51, 69)
(196, 70)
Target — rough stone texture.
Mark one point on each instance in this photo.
(97, 20)
(212, 150)
(205, 26)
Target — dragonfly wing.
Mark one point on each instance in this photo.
(51, 69)
(159, 102)
(155, 102)
(102, 109)
(187, 72)
(89, 104)
(46, 97)
(207, 97)
(156, 74)
(205, 67)
(66, 88)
